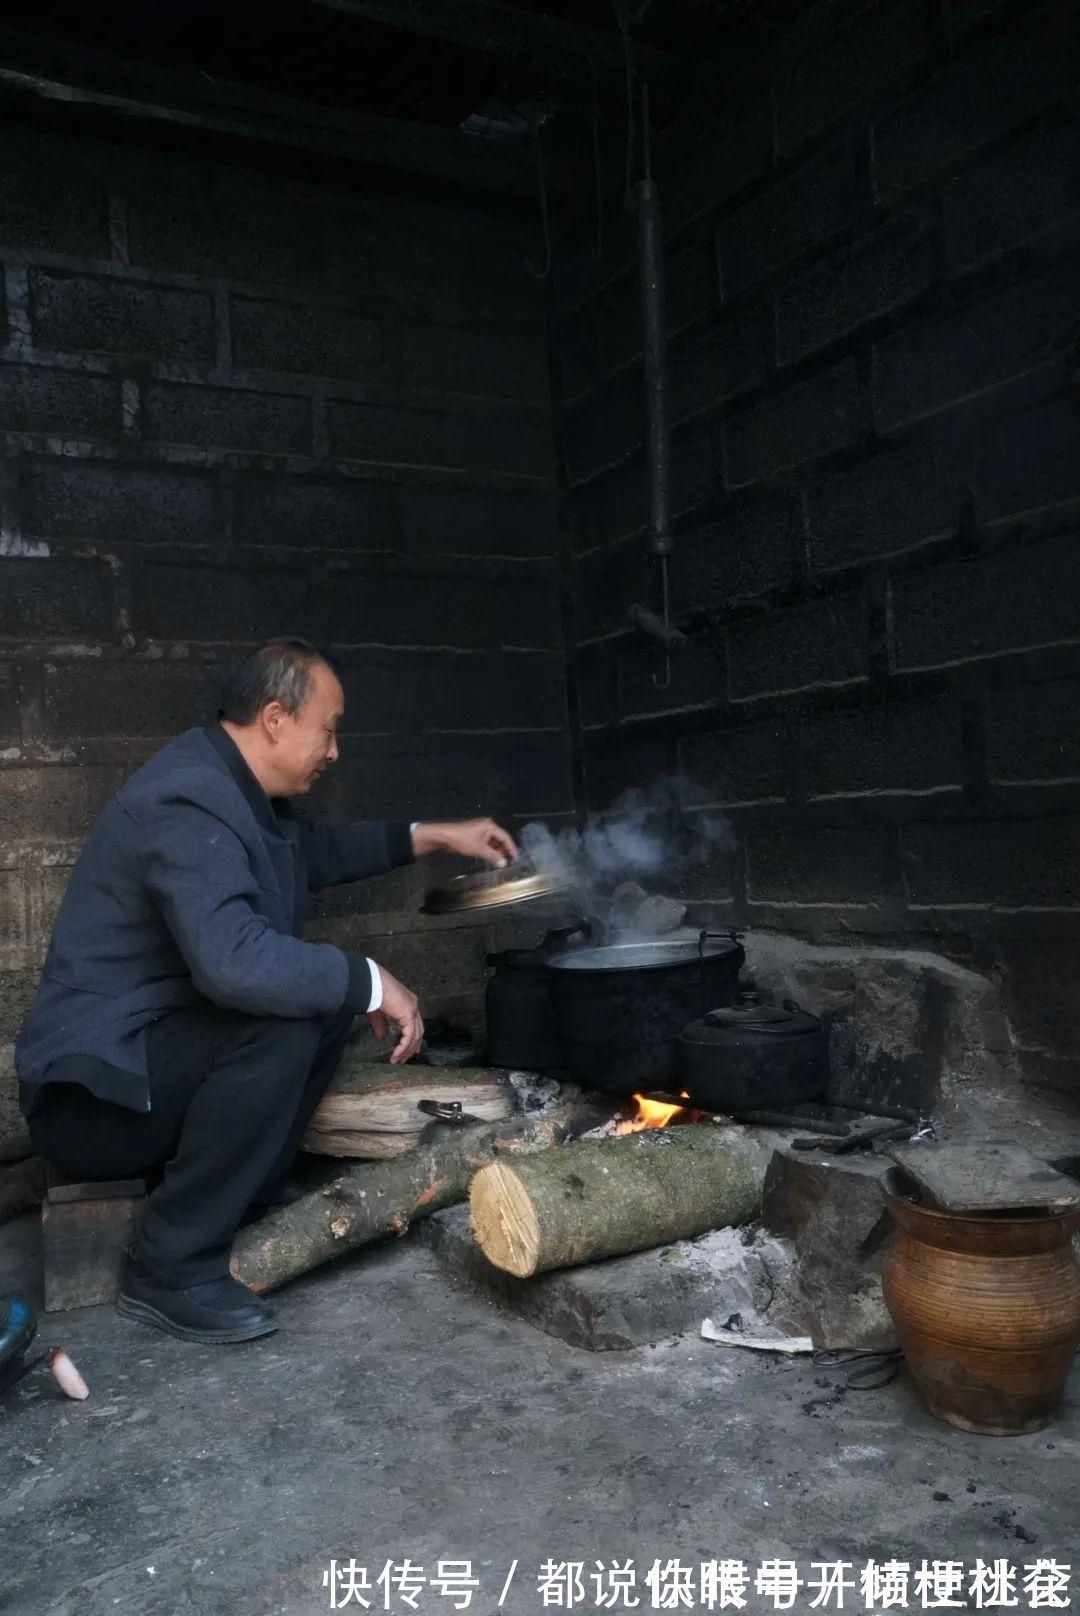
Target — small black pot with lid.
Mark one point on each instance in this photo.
(752, 1054)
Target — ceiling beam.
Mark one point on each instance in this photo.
(559, 49)
(41, 69)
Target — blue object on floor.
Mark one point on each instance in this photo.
(18, 1327)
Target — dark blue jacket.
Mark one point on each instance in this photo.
(192, 884)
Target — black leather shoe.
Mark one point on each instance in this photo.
(215, 1310)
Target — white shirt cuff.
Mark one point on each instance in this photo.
(376, 988)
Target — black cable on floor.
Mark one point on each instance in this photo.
(868, 1367)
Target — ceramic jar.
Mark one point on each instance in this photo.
(987, 1311)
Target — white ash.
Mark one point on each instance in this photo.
(616, 1125)
(533, 1092)
(616, 1128)
(755, 1292)
(604, 1130)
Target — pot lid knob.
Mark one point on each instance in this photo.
(752, 1010)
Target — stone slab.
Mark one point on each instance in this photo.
(990, 1175)
(632, 1301)
(832, 1209)
(60, 1188)
(907, 1027)
(84, 1246)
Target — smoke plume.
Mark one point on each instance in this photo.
(647, 836)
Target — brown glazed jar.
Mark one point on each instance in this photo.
(987, 1311)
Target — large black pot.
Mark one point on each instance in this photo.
(620, 1007)
(751, 1054)
(520, 1014)
(521, 1030)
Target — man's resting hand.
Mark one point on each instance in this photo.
(402, 1007)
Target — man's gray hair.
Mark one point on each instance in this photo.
(280, 670)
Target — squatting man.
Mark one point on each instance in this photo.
(183, 1030)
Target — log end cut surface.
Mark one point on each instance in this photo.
(602, 1198)
(504, 1220)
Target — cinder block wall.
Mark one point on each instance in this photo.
(235, 400)
(872, 291)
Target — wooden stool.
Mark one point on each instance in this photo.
(85, 1230)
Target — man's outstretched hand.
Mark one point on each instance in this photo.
(402, 1007)
(472, 838)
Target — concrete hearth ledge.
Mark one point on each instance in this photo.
(908, 1027)
(632, 1301)
(832, 1210)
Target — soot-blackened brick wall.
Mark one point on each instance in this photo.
(872, 288)
(235, 403)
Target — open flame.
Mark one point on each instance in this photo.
(656, 1114)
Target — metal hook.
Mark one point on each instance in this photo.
(665, 682)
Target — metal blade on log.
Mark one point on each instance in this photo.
(372, 1110)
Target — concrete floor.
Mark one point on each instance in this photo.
(393, 1417)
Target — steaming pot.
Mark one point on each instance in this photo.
(620, 1007)
(520, 1015)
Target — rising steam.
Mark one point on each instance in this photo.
(647, 835)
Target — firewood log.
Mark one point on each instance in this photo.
(371, 1111)
(371, 1200)
(599, 1198)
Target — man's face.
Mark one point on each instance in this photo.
(306, 744)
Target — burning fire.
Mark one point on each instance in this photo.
(657, 1114)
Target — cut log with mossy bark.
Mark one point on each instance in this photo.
(601, 1198)
(372, 1200)
(371, 1110)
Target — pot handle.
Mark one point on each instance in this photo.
(705, 935)
(703, 938)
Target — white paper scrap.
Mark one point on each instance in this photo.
(760, 1343)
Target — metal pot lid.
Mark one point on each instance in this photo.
(492, 889)
(645, 956)
(750, 1012)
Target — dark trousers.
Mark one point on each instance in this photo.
(230, 1097)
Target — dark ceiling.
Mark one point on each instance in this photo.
(388, 84)
(293, 47)
(441, 63)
